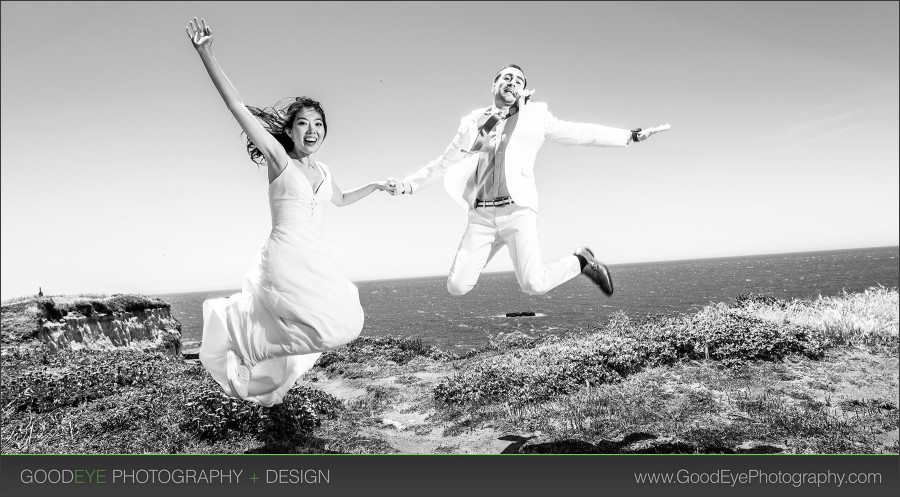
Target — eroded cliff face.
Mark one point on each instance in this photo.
(153, 329)
(96, 323)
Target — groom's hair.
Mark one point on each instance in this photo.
(507, 66)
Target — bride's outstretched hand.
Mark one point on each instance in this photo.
(200, 34)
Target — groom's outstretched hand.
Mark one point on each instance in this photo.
(647, 133)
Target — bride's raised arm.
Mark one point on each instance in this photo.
(275, 154)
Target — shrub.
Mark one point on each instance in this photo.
(212, 415)
(366, 349)
(83, 376)
(720, 333)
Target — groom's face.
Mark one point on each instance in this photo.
(507, 86)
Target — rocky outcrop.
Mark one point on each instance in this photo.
(519, 314)
(97, 323)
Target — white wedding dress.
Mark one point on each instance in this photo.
(294, 303)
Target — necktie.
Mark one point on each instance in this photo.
(488, 125)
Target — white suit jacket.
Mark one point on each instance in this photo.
(530, 127)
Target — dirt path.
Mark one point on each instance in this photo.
(403, 415)
(396, 406)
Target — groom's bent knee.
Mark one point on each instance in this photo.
(534, 287)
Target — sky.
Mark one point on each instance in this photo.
(122, 170)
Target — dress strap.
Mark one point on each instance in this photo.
(325, 168)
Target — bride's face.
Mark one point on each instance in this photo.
(308, 130)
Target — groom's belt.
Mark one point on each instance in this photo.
(497, 202)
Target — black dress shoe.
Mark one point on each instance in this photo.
(596, 271)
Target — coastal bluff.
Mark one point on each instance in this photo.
(91, 322)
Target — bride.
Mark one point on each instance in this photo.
(294, 302)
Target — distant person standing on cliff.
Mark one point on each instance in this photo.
(294, 303)
(488, 168)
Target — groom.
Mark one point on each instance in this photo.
(488, 169)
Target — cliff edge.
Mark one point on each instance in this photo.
(96, 323)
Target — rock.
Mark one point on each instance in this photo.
(513, 338)
(395, 424)
(751, 447)
(95, 323)
(665, 445)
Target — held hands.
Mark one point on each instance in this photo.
(395, 186)
(646, 133)
(200, 35)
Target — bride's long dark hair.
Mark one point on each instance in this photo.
(277, 119)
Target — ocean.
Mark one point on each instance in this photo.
(422, 306)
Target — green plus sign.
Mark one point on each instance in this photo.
(254, 477)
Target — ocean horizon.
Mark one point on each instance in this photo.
(421, 306)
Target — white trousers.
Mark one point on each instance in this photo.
(516, 227)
